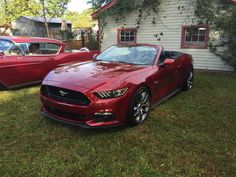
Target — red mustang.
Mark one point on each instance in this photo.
(121, 85)
(28, 60)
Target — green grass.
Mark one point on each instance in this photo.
(192, 134)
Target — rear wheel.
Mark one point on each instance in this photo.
(140, 106)
(188, 84)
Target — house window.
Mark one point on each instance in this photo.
(195, 36)
(126, 35)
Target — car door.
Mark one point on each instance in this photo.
(164, 79)
(36, 64)
(180, 67)
(7, 70)
(34, 68)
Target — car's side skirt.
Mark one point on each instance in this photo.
(25, 84)
(166, 98)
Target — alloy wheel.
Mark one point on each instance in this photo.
(141, 106)
(190, 80)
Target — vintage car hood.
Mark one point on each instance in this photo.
(94, 74)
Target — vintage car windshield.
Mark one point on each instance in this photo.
(5, 45)
(139, 55)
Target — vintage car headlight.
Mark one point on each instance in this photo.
(111, 93)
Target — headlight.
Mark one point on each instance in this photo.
(111, 93)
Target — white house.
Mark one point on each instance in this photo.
(175, 27)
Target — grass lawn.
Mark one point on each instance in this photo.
(192, 134)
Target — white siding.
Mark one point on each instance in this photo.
(169, 21)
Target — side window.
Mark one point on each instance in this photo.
(40, 48)
(49, 48)
(175, 55)
(162, 57)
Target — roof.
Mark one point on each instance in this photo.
(41, 20)
(30, 39)
(111, 4)
(105, 7)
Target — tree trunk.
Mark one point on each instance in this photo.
(45, 18)
(47, 28)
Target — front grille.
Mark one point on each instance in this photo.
(65, 95)
(64, 114)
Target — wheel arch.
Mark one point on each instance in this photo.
(143, 85)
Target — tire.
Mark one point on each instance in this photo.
(139, 107)
(188, 83)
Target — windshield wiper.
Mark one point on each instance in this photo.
(99, 60)
(120, 62)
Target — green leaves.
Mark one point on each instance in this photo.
(98, 3)
(80, 20)
(12, 9)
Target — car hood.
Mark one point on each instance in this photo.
(92, 75)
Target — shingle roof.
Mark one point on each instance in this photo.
(41, 20)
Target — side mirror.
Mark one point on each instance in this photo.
(95, 56)
(167, 62)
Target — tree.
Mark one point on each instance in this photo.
(49, 9)
(80, 20)
(98, 3)
(12, 9)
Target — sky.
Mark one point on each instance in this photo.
(78, 5)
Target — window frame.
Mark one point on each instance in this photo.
(194, 46)
(42, 55)
(126, 29)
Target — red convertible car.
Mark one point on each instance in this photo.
(121, 85)
(25, 60)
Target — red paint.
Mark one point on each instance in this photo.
(168, 61)
(27, 69)
(91, 77)
(183, 45)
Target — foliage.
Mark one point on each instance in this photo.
(80, 20)
(221, 14)
(13, 9)
(92, 43)
(49, 9)
(188, 135)
(98, 3)
(124, 7)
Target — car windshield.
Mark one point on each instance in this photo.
(139, 55)
(5, 45)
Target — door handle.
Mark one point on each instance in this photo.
(179, 66)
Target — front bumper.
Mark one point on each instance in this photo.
(100, 113)
(82, 125)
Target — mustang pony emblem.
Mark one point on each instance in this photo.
(62, 93)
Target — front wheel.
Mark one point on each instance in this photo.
(140, 106)
(188, 84)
